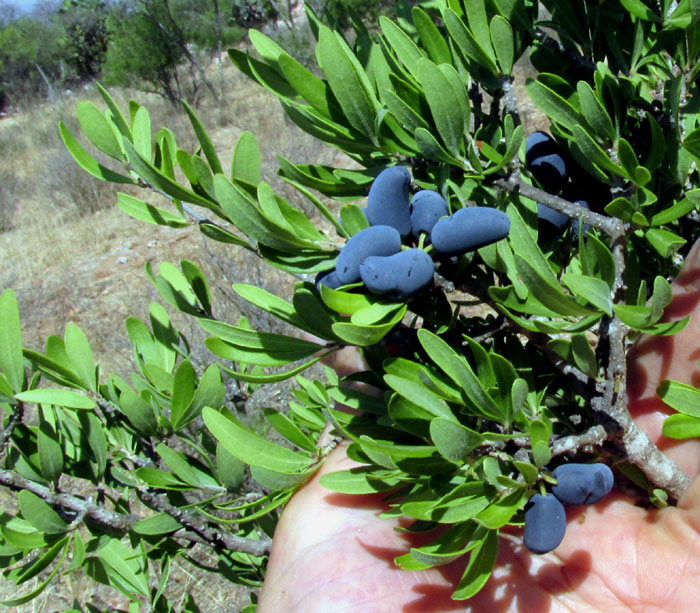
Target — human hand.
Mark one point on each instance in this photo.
(333, 553)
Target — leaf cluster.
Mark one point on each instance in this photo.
(464, 411)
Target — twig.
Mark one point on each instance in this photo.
(126, 521)
(6, 433)
(593, 437)
(199, 526)
(611, 226)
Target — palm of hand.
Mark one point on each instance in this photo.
(333, 553)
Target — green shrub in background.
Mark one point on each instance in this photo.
(478, 409)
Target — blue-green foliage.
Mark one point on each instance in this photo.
(472, 401)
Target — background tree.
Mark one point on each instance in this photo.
(85, 22)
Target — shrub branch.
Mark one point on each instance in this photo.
(99, 514)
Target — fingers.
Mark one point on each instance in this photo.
(654, 359)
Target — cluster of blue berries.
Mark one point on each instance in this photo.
(545, 160)
(379, 256)
(545, 517)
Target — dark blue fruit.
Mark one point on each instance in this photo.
(575, 222)
(327, 278)
(387, 203)
(557, 219)
(427, 207)
(375, 240)
(545, 523)
(399, 276)
(582, 483)
(550, 171)
(539, 144)
(469, 229)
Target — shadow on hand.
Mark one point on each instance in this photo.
(514, 586)
(521, 582)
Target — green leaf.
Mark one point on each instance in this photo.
(348, 82)
(595, 291)
(431, 38)
(444, 107)
(42, 562)
(354, 220)
(198, 284)
(252, 448)
(679, 209)
(80, 354)
(63, 398)
(155, 177)
(98, 129)
(139, 412)
(523, 244)
(346, 302)
(503, 43)
(458, 369)
(402, 45)
(50, 452)
(15, 602)
(453, 440)
(271, 378)
(432, 149)
(274, 305)
(203, 138)
(420, 395)
(87, 162)
(316, 317)
(594, 112)
(551, 296)
(183, 392)
(680, 396)
(261, 341)
(584, 356)
(446, 548)
(220, 234)
(276, 481)
(210, 392)
(373, 313)
(39, 514)
(231, 471)
(124, 568)
(289, 430)
(359, 480)
(478, 571)
(117, 117)
(160, 523)
(467, 42)
(627, 157)
(141, 131)
(554, 106)
(245, 165)
(138, 209)
(665, 242)
(594, 152)
(11, 358)
(640, 10)
(681, 426)
(96, 440)
(310, 87)
(362, 336)
(246, 217)
(479, 26)
(183, 469)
